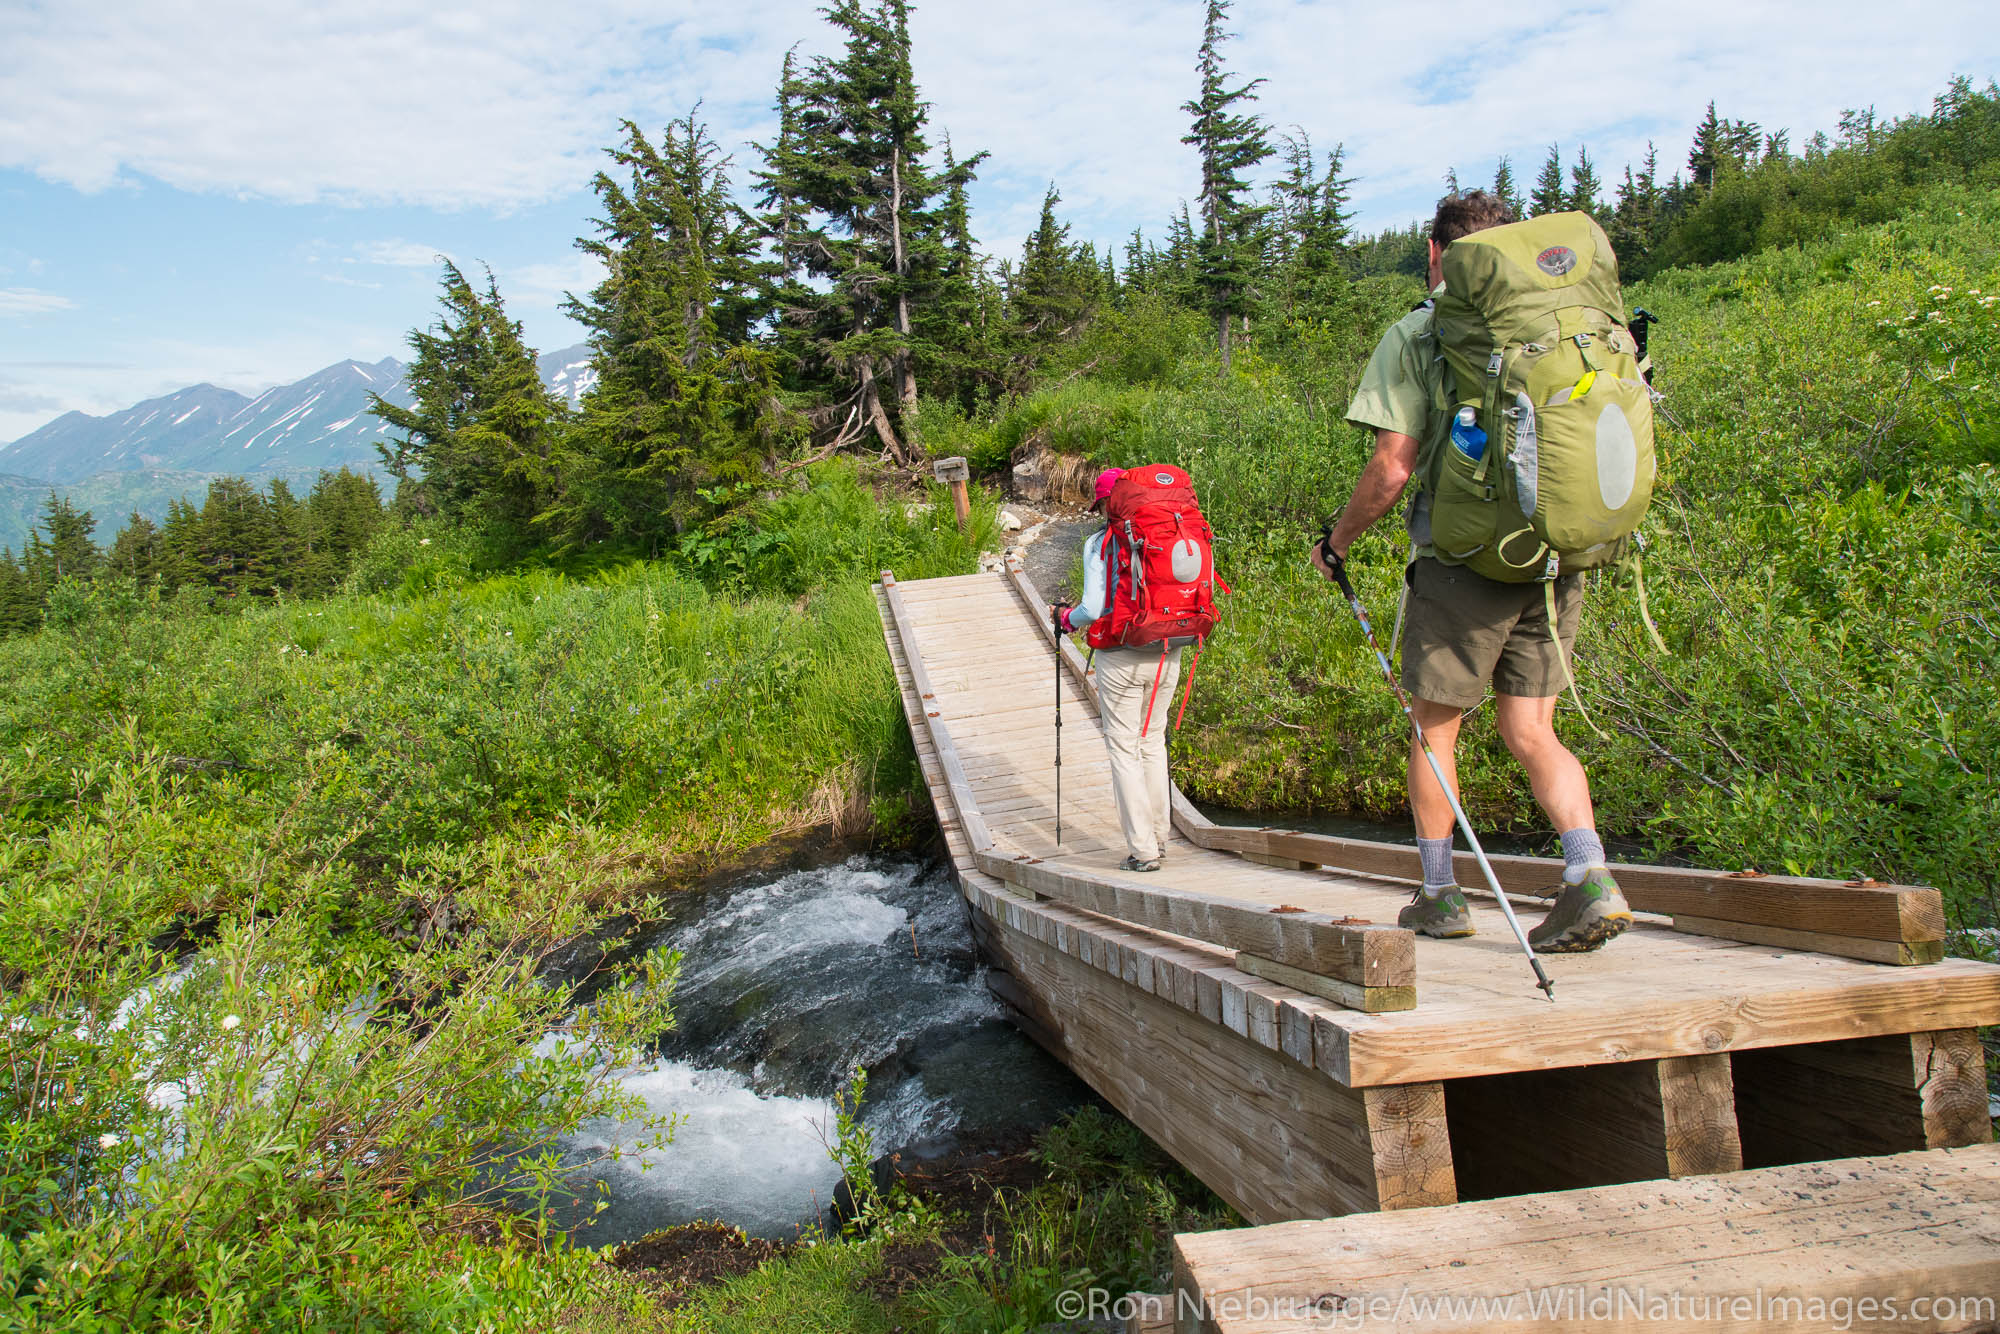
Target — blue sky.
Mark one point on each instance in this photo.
(243, 191)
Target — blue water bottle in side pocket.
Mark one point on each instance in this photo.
(1466, 435)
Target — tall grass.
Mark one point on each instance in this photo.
(283, 894)
(1823, 554)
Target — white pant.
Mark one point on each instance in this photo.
(1139, 779)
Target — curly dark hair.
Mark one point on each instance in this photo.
(1462, 215)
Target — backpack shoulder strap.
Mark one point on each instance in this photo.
(1439, 383)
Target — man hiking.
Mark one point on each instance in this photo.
(1148, 593)
(1463, 629)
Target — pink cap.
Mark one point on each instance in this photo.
(1106, 480)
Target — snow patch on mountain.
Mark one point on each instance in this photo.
(322, 421)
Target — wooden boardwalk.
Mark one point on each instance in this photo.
(1906, 1242)
(1320, 1062)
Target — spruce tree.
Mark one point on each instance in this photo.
(1584, 185)
(1549, 195)
(1230, 143)
(135, 552)
(1140, 262)
(873, 244)
(1505, 189)
(1311, 239)
(1634, 223)
(1180, 267)
(1053, 293)
(1720, 146)
(239, 544)
(289, 537)
(60, 547)
(180, 549)
(784, 213)
(20, 608)
(1705, 157)
(680, 406)
(956, 323)
(478, 442)
(346, 511)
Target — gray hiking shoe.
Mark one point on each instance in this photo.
(1134, 864)
(1447, 916)
(1584, 917)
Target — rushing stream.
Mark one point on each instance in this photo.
(788, 982)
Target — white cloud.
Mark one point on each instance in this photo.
(494, 105)
(397, 254)
(1078, 92)
(506, 103)
(545, 285)
(21, 301)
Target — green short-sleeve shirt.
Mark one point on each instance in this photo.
(1396, 395)
(1395, 392)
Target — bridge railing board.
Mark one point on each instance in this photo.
(1892, 924)
(1361, 966)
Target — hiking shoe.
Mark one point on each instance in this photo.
(1447, 916)
(1584, 916)
(1134, 864)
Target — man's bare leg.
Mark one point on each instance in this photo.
(1528, 728)
(1427, 803)
(1590, 910)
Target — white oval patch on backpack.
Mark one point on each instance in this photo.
(1185, 557)
(1617, 457)
(1164, 478)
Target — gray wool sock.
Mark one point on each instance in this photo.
(1582, 849)
(1436, 853)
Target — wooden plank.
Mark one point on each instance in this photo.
(1368, 956)
(1788, 1248)
(1864, 1096)
(1904, 952)
(960, 787)
(1831, 998)
(1369, 1000)
(1898, 913)
(1147, 1313)
(1274, 1138)
(1280, 863)
(1592, 1125)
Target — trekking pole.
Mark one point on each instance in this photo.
(1055, 618)
(1338, 566)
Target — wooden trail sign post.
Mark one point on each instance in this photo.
(956, 471)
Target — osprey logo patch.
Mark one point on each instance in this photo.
(1556, 260)
(1164, 478)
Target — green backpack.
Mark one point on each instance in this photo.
(1532, 324)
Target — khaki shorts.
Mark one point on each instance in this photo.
(1462, 630)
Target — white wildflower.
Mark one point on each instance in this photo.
(230, 1021)
(423, 541)
(108, 1141)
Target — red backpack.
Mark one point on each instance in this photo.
(1159, 556)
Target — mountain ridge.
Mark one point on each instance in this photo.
(163, 448)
